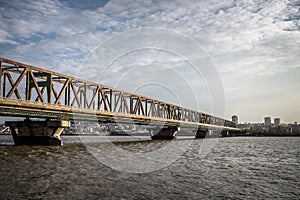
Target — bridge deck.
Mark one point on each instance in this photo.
(19, 108)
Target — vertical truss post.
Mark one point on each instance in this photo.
(146, 107)
(99, 99)
(80, 96)
(121, 99)
(85, 96)
(49, 88)
(110, 99)
(4, 85)
(28, 88)
(68, 92)
(131, 105)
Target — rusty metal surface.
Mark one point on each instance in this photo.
(30, 91)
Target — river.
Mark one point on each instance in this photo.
(234, 168)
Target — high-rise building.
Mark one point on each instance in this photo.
(276, 121)
(267, 121)
(235, 119)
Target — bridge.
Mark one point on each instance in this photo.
(32, 92)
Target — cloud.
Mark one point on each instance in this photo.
(25, 19)
(244, 38)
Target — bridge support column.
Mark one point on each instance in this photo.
(29, 132)
(201, 133)
(226, 133)
(230, 133)
(205, 133)
(165, 133)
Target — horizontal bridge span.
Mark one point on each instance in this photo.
(30, 91)
(12, 107)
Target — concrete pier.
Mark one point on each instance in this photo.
(201, 133)
(165, 133)
(29, 132)
(226, 133)
(205, 133)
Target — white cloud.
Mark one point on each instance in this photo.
(24, 19)
(244, 38)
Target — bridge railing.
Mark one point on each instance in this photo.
(25, 82)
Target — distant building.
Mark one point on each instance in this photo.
(277, 121)
(235, 119)
(267, 121)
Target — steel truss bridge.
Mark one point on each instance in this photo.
(28, 91)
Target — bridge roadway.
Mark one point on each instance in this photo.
(28, 91)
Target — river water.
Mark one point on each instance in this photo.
(235, 168)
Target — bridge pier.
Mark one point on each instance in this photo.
(206, 133)
(201, 133)
(29, 132)
(226, 133)
(230, 133)
(165, 133)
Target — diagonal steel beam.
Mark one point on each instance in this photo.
(11, 81)
(36, 86)
(12, 90)
(62, 91)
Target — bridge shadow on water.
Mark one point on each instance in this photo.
(7, 140)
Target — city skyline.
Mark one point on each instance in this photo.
(254, 45)
(262, 121)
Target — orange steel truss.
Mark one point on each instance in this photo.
(34, 86)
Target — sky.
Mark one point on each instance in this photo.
(226, 57)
